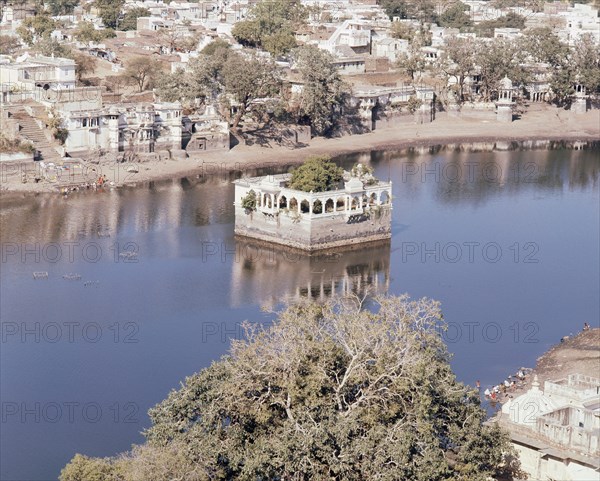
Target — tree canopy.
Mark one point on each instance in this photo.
(330, 392)
(225, 75)
(62, 7)
(271, 24)
(323, 94)
(459, 62)
(38, 27)
(110, 11)
(213, 46)
(9, 44)
(84, 64)
(486, 28)
(248, 79)
(86, 32)
(317, 174)
(423, 10)
(142, 70)
(455, 16)
(586, 63)
(129, 21)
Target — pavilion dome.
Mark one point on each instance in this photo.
(506, 83)
(271, 184)
(354, 185)
(525, 409)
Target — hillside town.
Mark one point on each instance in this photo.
(140, 81)
(424, 127)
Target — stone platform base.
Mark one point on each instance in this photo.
(315, 247)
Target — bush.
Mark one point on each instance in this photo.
(61, 134)
(249, 201)
(8, 146)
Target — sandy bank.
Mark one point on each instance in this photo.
(545, 123)
(578, 354)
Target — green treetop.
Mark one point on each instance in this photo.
(129, 21)
(271, 25)
(317, 174)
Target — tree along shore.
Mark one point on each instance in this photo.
(547, 124)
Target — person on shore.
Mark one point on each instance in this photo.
(478, 384)
(487, 392)
(586, 326)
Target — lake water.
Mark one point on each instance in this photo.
(145, 286)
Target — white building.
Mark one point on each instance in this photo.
(580, 20)
(33, 73)
(357, 211)
(390, 48)
(141, 128)
(556, 431)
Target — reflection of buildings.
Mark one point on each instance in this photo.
(162, 205)
(267, 273)
(459, 177)
(475, 172)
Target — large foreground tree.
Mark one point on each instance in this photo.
(328, 392)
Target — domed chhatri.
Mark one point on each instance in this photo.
(355, 211)
(505, 103)
(506, 83)
(525, 409)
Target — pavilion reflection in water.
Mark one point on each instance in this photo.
(268, 274)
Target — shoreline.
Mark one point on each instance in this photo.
(544, 126)
(574, 354)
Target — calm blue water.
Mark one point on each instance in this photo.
(156, 285)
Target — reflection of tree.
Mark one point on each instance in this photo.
(475, 177)
(489, 175)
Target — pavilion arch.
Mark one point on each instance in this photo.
(329, 206)
(293, 204)
(267, 201)
(384, 197)
(305, 206)
(355, 203)
(340, 204)
(317, 207)
(373, 199)
(283, 202)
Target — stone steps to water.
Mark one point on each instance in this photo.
(30, 130)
